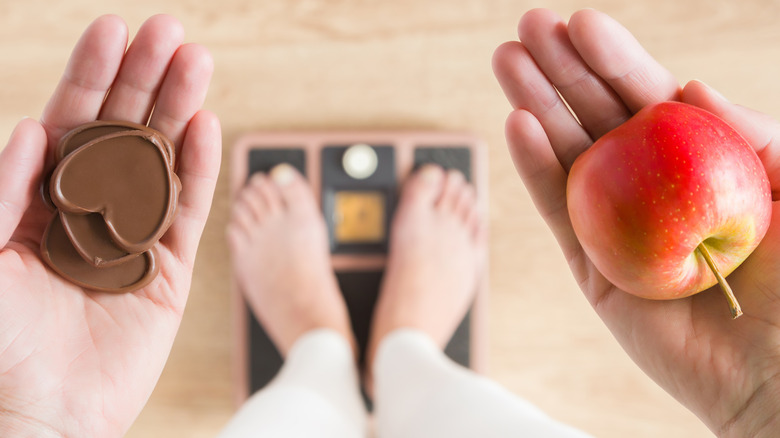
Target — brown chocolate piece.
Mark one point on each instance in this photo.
(90, 237)
(116, 195)
(125, 177)
(60, 254)
(87, 132)
(44, 190)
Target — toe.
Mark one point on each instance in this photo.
(424, 186)
(464, 205)
(478, 225)
(293, 188)
(251, 197)
(269, 193)
(450, 194)
(480, 236)
(241, 221)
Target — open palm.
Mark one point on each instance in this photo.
(727, 372)
(76, 362)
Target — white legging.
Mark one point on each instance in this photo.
(419, 392)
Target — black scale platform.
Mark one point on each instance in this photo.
(360, 289)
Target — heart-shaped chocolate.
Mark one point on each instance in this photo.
(125, 177)
(91, 239)
(116, 194)
(88, 132)
(59, 253)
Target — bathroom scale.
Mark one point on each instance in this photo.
(356, 177)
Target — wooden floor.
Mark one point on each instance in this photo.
(407, 64)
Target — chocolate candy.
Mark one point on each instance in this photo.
(115, 194)
(59, 253)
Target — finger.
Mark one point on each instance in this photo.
(183, 91)
(527, 87)
(201, 153)
(760, 130)
(544, 178)
(597, 106)
(615, 55)
(91, 70)
(21, 165)
(133, 92)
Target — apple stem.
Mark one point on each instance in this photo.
(736, 310)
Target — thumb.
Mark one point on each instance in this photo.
(21, 165)
(760, 130)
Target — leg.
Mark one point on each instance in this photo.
(431, 276)
(280, 255)
(422, 393)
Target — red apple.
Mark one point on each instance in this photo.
(667, 199)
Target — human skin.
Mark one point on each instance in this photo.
(76, 362)
(725, 371)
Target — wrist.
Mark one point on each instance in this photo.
(759, 417)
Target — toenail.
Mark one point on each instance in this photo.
(431, 174)
(283, 174)
(455, 174)
(256, 179)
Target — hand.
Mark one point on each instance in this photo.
(727, 372)
(76, 362)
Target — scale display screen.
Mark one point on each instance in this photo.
(359, 216)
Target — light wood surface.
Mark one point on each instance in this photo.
(407, 64)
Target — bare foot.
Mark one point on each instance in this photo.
(436, 256)
(281, 261)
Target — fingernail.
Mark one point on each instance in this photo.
(18, 126)
(714, 92)
(282, 174)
